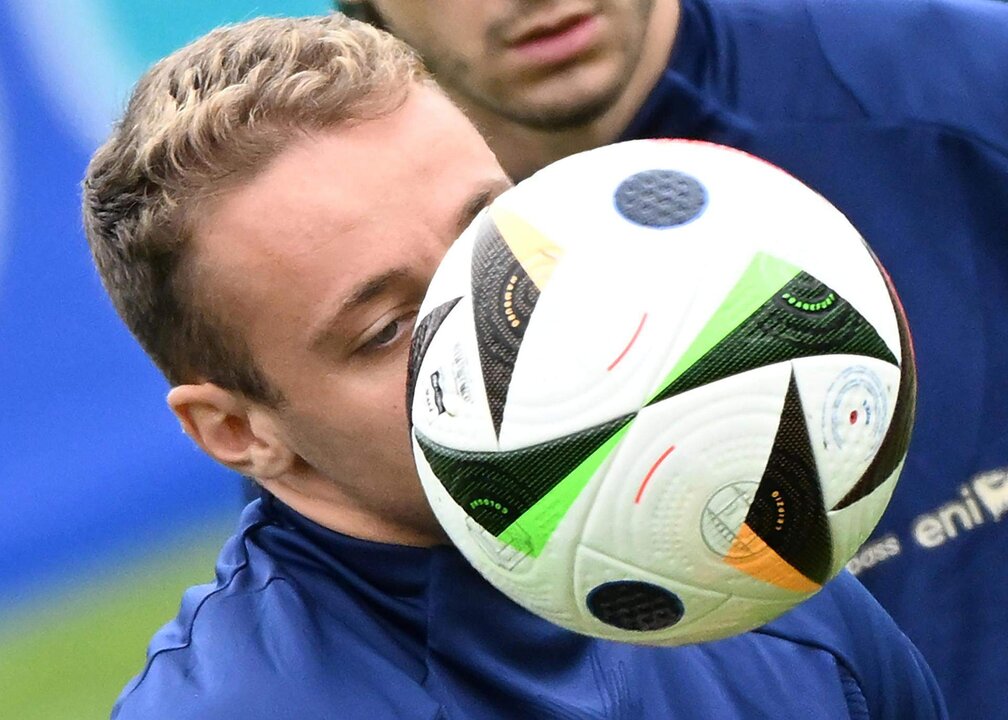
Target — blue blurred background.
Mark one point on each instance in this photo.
(107, 510)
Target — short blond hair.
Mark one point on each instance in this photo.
(203, 120)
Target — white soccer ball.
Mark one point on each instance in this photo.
(660, 392)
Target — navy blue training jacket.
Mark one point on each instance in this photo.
(303, 623)
(897, 112)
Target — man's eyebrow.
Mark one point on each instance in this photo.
(361, 294)
(479, 201)
(371, 288)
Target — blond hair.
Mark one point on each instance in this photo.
(203, 120)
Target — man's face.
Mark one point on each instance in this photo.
(547, 65)
(322, 261)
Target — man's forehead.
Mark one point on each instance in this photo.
(368, 187)
(333, 168)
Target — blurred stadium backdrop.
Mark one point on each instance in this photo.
(107, 511)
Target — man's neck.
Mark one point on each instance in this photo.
(523, 150)
(324, 502)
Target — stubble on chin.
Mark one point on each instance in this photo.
(505, 97)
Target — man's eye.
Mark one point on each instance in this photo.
(387, 334)
(391, 333)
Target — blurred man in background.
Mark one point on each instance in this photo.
(897, 112)
(262, 220)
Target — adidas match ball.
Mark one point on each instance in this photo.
(660, 392)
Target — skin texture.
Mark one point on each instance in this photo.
(534, 109)
(363, 211)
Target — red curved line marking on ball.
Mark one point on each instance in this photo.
(640, 490)
(629, 344)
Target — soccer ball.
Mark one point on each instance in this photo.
(660, 392)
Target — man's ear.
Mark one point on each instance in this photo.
(236, 432)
